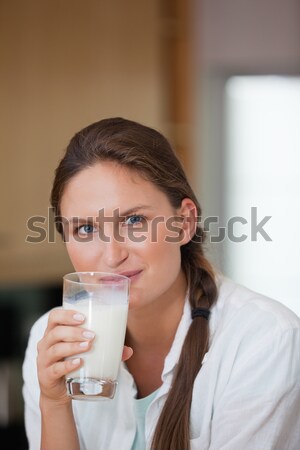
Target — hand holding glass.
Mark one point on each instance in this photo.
(103, 299)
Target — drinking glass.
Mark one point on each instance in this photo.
(103, 299)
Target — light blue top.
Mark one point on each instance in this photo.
(141, 406)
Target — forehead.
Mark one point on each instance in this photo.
(108, 185)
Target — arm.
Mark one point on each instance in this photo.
(49, 418)
(58, 426)
(62, 338)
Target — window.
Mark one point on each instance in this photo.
(262, 179)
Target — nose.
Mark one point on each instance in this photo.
(114, 253)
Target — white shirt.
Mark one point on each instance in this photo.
(245, 397)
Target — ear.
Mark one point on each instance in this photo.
(188, 212)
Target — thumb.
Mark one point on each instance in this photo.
(127, 353)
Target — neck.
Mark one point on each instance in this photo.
(154, 326)
(150, 332)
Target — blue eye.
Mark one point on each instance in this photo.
(86, 229)
(134, 220)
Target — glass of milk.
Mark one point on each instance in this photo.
(103, 299)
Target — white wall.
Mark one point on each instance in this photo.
(248, 34)
(234, 37)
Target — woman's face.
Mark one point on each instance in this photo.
(117, 222)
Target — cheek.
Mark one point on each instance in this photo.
(169, 236)
(164, 247)
(81, 255)
(73, 252)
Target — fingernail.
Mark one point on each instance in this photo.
(76, 361)
(78, 317)
(84, 344)
(88, 334)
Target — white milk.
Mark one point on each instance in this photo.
(108, 321)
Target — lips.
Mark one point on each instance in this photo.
(109, 279)
(131, 273)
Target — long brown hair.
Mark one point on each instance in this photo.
(146, 151)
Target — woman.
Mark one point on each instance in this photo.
(207, 364)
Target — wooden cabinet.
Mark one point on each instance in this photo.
(65, 64)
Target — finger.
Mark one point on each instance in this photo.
(127, 353)
(60, 316)
(65, 334)
(63, 350)
(62, 368)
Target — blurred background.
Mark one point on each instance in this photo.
(221, 79)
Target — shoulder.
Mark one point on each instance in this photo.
(250, 372)
(36, 333)
(235, 299)
(243, 311)
(253, 340)
(38, 328)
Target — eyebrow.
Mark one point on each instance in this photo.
(135, 209)
(127, 212)
(78, 220)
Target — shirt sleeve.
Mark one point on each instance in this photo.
(31, 390)
(260, 407)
